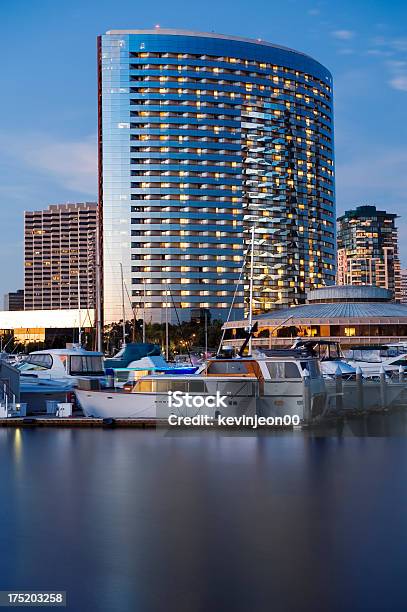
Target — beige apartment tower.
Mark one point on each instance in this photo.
(59, 257)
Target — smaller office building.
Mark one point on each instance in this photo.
(352, 315)
(44, 325)
(14, 300)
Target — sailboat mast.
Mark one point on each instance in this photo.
(79, 307)
(98, 287)
(251, 288)
(123, 308)
(166, 326)
(206, 333)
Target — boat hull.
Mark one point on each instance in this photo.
(121, 405)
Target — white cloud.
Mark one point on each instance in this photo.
(69, 163)
(400, 44)
(398, 73)
(346, 51)
(378, 41)
(343, 34)
(314, 11)
(399, 82)
(379, 53)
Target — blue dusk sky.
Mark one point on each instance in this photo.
(48, 104)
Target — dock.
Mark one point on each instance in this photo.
(44, 421)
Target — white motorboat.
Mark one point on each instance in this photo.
(68, 365)
(371, 359)
(51, 375)
(269, 385)
(329, 355)
(153, 397)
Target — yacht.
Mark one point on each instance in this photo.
(330, 356)
(51, 375)
(268, 385)
(371, 359)
(68, 364)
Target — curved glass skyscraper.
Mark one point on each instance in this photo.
(200, 137)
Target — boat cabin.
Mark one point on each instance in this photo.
(61, 363)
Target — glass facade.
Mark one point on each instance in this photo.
(200, 137)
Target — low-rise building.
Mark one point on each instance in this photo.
(42, 325)
(352, 315)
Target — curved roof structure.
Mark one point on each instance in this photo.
(209, 42)
(339, 313)
(344, 310)
(177, 32)
(349, 293)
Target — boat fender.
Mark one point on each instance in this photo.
(29, 421)
(108, 422)
(109, 377)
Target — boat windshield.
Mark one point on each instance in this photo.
(88, 365)
(369, 356)
(280, 370)
(283, 369)
(35, 362)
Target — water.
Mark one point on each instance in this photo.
(128, 520)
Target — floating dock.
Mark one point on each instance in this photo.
(44, 421)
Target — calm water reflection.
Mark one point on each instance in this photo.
(146, 521)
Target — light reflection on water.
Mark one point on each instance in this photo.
(144, 520)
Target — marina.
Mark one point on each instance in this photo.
(312, 382)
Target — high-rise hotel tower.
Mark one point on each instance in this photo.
(200, 137)
(60, 257)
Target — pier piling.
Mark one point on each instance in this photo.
(307, 416)
(359, 388)
(339, 389)
(383, 399)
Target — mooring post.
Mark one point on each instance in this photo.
(383, 402)
(339, 389)
(307, 398)
(359, 388)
